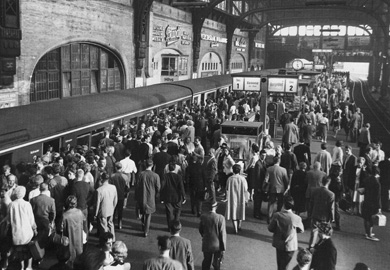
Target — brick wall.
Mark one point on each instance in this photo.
(47, 25)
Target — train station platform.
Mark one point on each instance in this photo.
(252, 247)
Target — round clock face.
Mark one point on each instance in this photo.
(297, 64)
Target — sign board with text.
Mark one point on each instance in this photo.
(242, 83)
(283, 84)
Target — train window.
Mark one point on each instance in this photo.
(5, 160)
(83, 139)
(75, 69)
(55, 144)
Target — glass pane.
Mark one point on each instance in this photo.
(76, 84)
(117, 79)
(359, 31)
(65, 57)
(343, 30)
(111, 80)
(94, 82)
(66, 84)
(103, 80)
(351, 30)
(85, 82)
(84, 56)
(41, 85)
(75, 56)
(103, 59)
(42, 64)
(334, 27)
(284, 31)
(54, 85)
(53, 60)
(316, 30)
(292, 31)
(94, 57)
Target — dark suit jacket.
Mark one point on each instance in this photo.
(349, 171)
(325, 256)
(321, 204)
(44, 210)
(285, 225)
(352, 178)
(181, 251)
(212, 228)
(300, 150)
(172, 188)
(161, 159)
(260, 171)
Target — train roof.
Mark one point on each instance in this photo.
(44, 119)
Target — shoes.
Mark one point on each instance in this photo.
(372, 238)
(223, 200)
(145, 235)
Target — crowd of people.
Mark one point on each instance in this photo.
(58, 199)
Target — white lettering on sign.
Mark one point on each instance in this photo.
(259, 45)
(213, 38)
(291, 85)
(68, 141)
(34, 152)
(252, 84)
(276, 84)
(240, 42)
(238, 83)
(171, 35)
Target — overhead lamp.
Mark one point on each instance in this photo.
(196, 4)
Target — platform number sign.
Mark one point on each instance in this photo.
(291, 85)
(238, 83)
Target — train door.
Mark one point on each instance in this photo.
(84, 139)
(55, 144)
(96, 136)
(202, 100)
(5, 160)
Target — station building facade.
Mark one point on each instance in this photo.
(73, 48)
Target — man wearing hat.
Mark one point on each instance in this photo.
(325, 252)
(285, 225)
(212, 228)
(181, 247)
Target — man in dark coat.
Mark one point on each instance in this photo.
(260, 171)
(146, 188)
(349, 170)
(302, 152)
(195, 179)
(325, 252)
(161, 159)
(212, 228)
(288, 160)
(181, 249)
(122, 183)
(384, 168)
(172, 194)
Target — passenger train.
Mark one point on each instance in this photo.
(27, 131)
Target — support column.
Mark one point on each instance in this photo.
(230, 27)
(385, 67)
(141, 28)
(251, 45)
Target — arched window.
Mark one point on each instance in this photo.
(73, 70)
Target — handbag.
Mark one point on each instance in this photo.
(36, 251)
(379, 219)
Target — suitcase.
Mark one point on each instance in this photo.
(36, 251)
